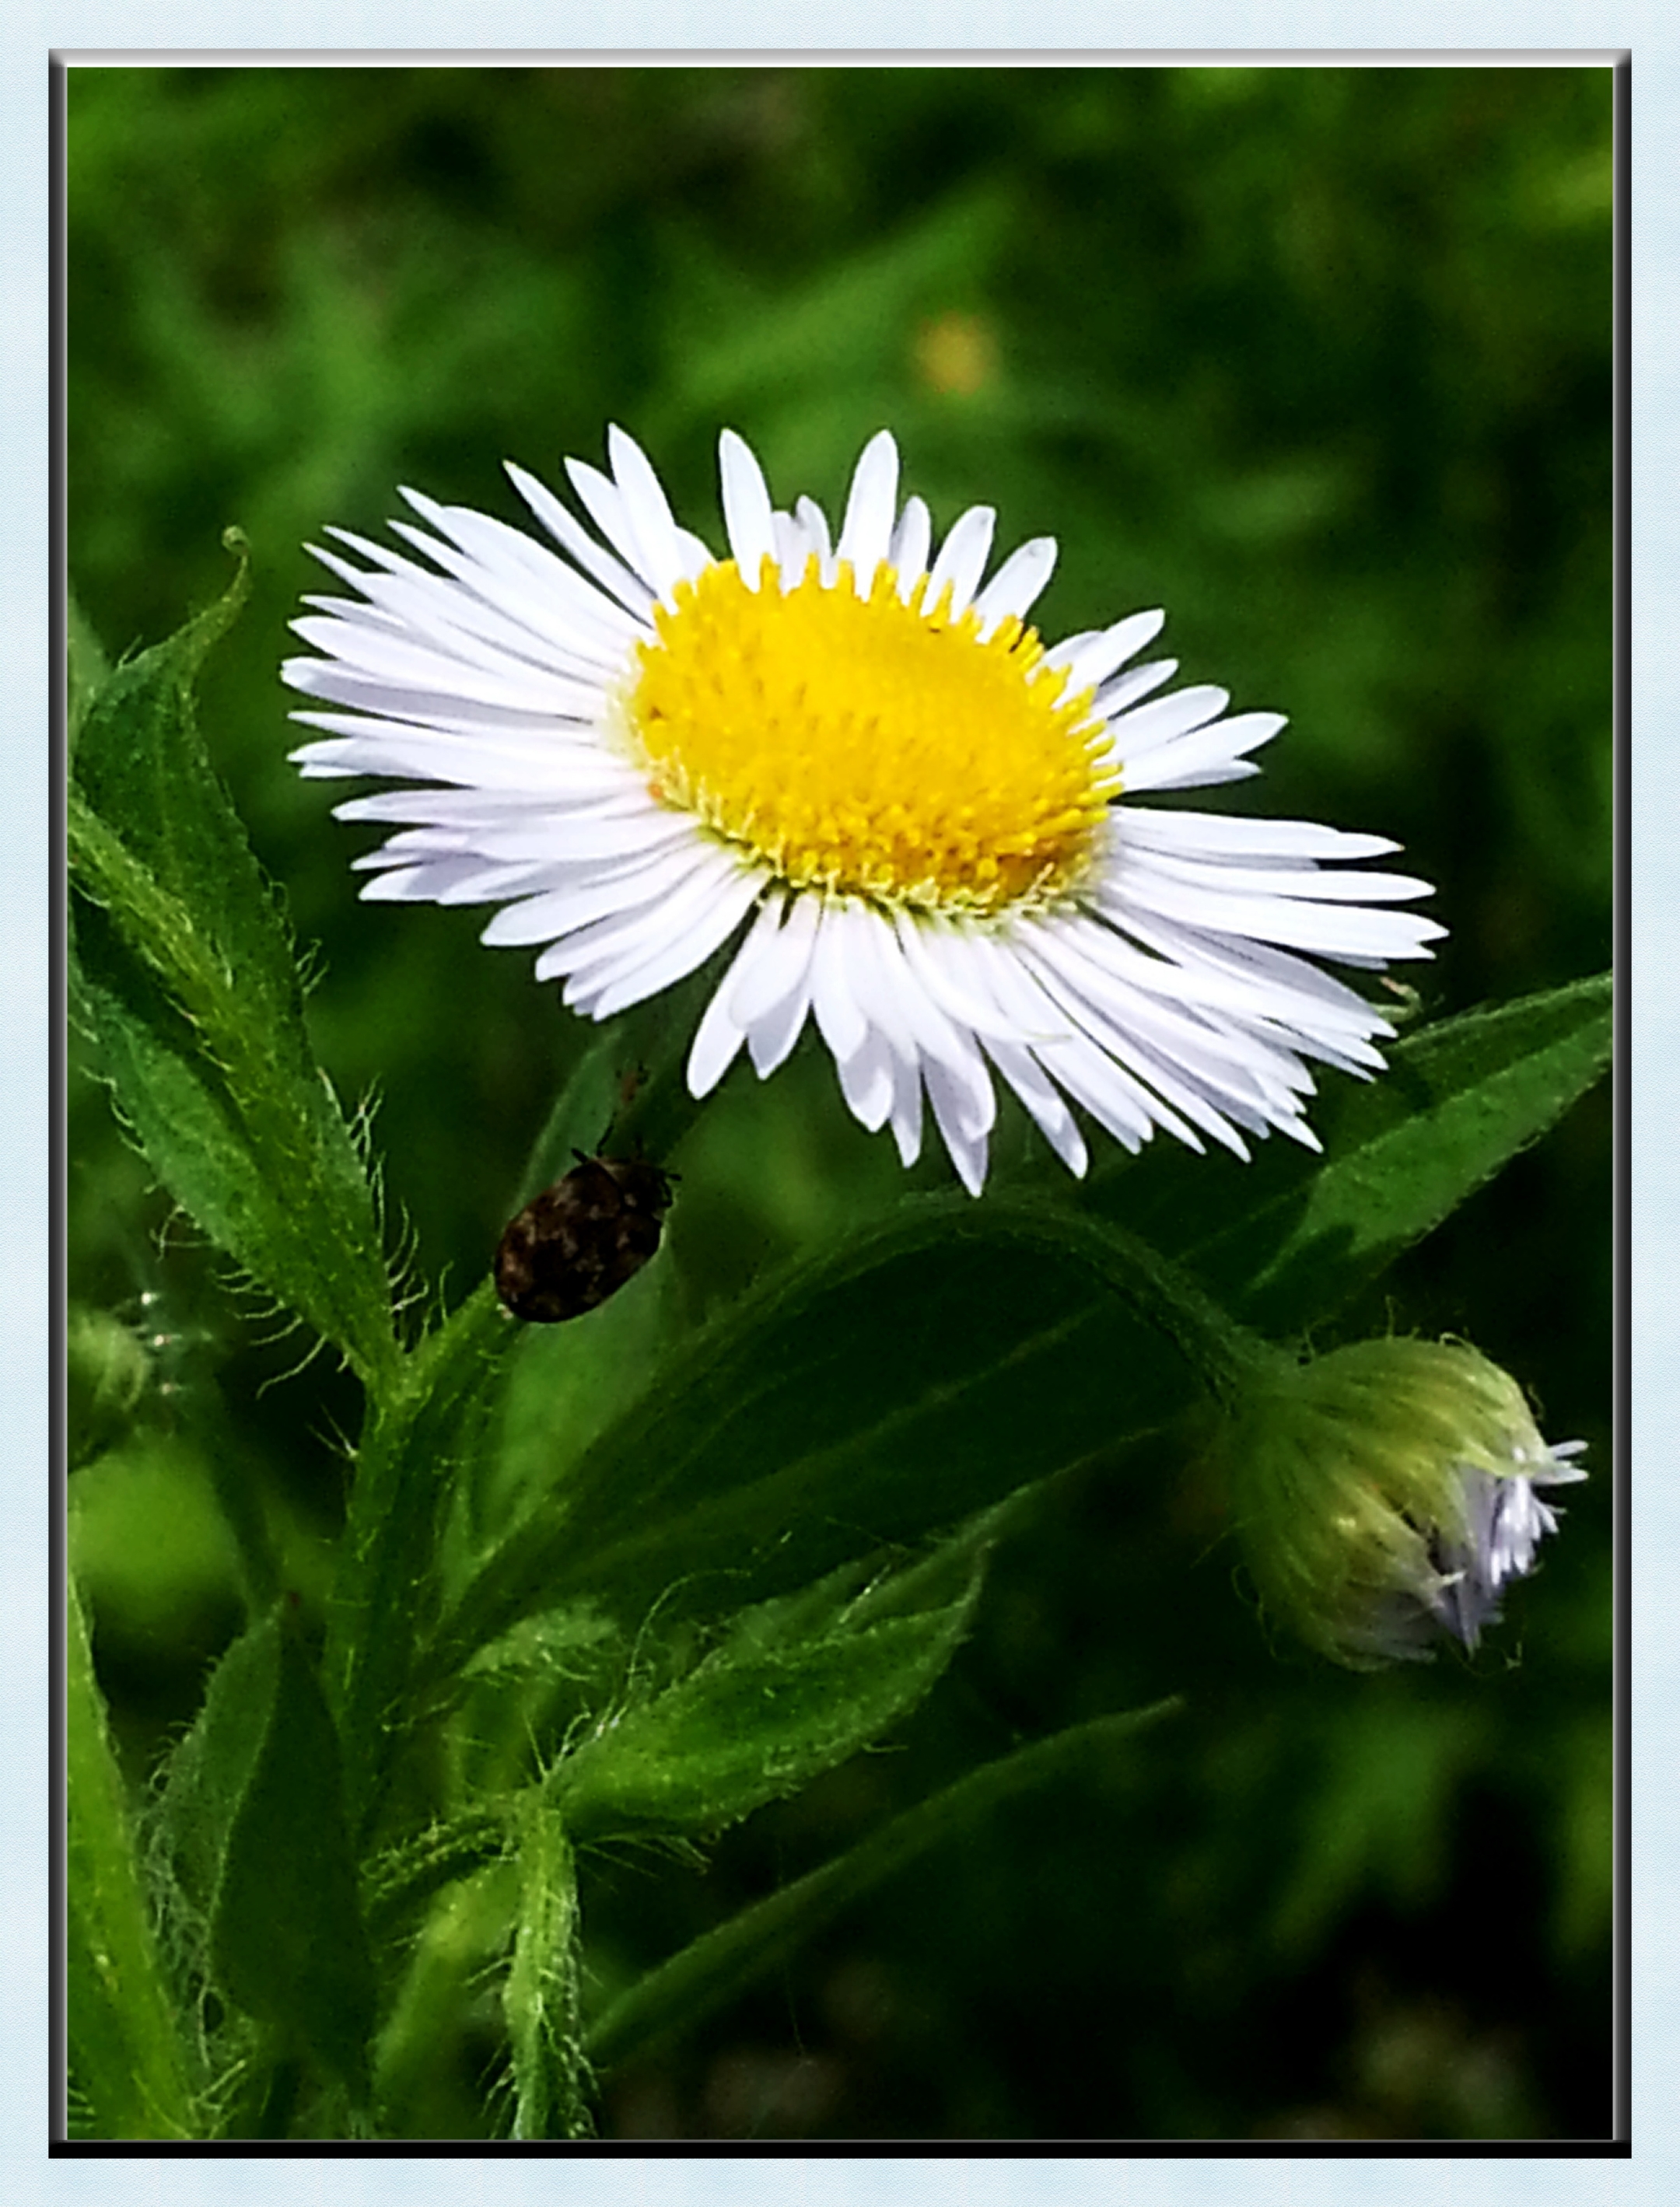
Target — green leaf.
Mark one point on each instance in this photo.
(798, 1686)
(88, 668)
(404, 1876)
(129, 2058)
(185, 976)
(1285, 1240)
(252, 1825)
(423, 1443)
(540, 1999)
(863, 1400)
(682, 1991)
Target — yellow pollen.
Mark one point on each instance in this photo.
(866, 747)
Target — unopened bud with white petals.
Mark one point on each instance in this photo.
(1387, 1494)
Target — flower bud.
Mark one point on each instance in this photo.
(1386, 1494)
(107, 1372)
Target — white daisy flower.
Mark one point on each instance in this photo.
(857, 748)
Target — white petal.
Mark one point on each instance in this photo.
(648, 516)
(497, 884)
(1204, 755)
(408, 599)
(768, 997)
(911, 540)
(833, 984)
(1168, 718)
(1109, 1092)
(1115, 697)
(866, 1080)
(988, 968)
(771, 1037)
(882, 983)
(413, 843)
(906, 1119)
(936, 955)
(719, 1037)
(484, 678)
(866, 532)
(1321, 1015)
(630, 589)
(694, 555)
(1224, 834)
(1035, 1091)
(779, 967)
(592, 952)
(423, 884)
(961, 561)
(536, 768)
(746, 507)
(1224, 877)
(967, 1147)
(559, 912)
(518, 574)
(792, 551)
(606, 509)
(577, 834)
(1137, 996)
(1233, 999)
(1184, 1070)
(1331, 930)
(589, 776)
(912, 1023)
(596, 956)
(524, 577)
(815, 522)
(1092, 658)
(684, 951)
(1015, 586)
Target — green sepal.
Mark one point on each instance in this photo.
(131, 2064)
(798, 1686)
(683, 1991)
(184, 975)
(252, 1828)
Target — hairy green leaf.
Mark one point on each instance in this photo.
(422, 1447)
(252, 1827)
(185, 978)
(540, 1999)
(798, 1686)
(131, 2060)
(403, 1876)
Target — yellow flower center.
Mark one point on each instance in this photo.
(866, 747)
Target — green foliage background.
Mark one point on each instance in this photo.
(1320, 360)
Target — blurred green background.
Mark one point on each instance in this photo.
(1320, 360)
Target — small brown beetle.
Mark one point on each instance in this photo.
(578, 1242)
